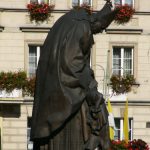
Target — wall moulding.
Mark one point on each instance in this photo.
(35, 29)
(124, 31)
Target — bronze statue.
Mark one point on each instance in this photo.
(69, 113)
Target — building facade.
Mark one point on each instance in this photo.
(121, 49)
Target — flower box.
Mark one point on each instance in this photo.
(136, 144)
(124, 14)
(16, 84)
(121, 84)
(39, 12)
(14, 94)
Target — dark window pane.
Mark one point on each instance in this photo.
(29, 121)
(127, 52)
(32, 60)
(117, 123)
(117, 60)
(117, 129)
(127, 63)
(116, 63)
(116, 52)
(32, 50)
(29, 143)
(130, 128)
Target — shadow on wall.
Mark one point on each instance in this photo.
(11, 110)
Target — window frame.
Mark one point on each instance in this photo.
(124, 43)
(121, 128)
(123, 3)
(122, 48)
(26, 51)
(37, 56)
(40, 1)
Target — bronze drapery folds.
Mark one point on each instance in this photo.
(69, 113)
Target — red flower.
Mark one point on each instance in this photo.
(125, 14)
(39, 12)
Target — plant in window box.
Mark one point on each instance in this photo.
(125, 14)
(121, 84)
(16, 81)
(131, 145)
(29, 86)
(11, 83)
(119, 145)
(138, 145)
(39, 12)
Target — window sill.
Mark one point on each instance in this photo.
(124, 31)
(35, 29)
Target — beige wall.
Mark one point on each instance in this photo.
(14, 136)
(11, 51)
(13, 3)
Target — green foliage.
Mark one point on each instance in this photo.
(131, 145)
(29, 86)
(10, 81)
(17, 80)
(119, 145)
(138, 145)
(121, 84)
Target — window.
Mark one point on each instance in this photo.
(123, 2)
(29, 143)
(40, 1)
(119, 129)
(80, 2)
(34, 54)
(122, 61)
